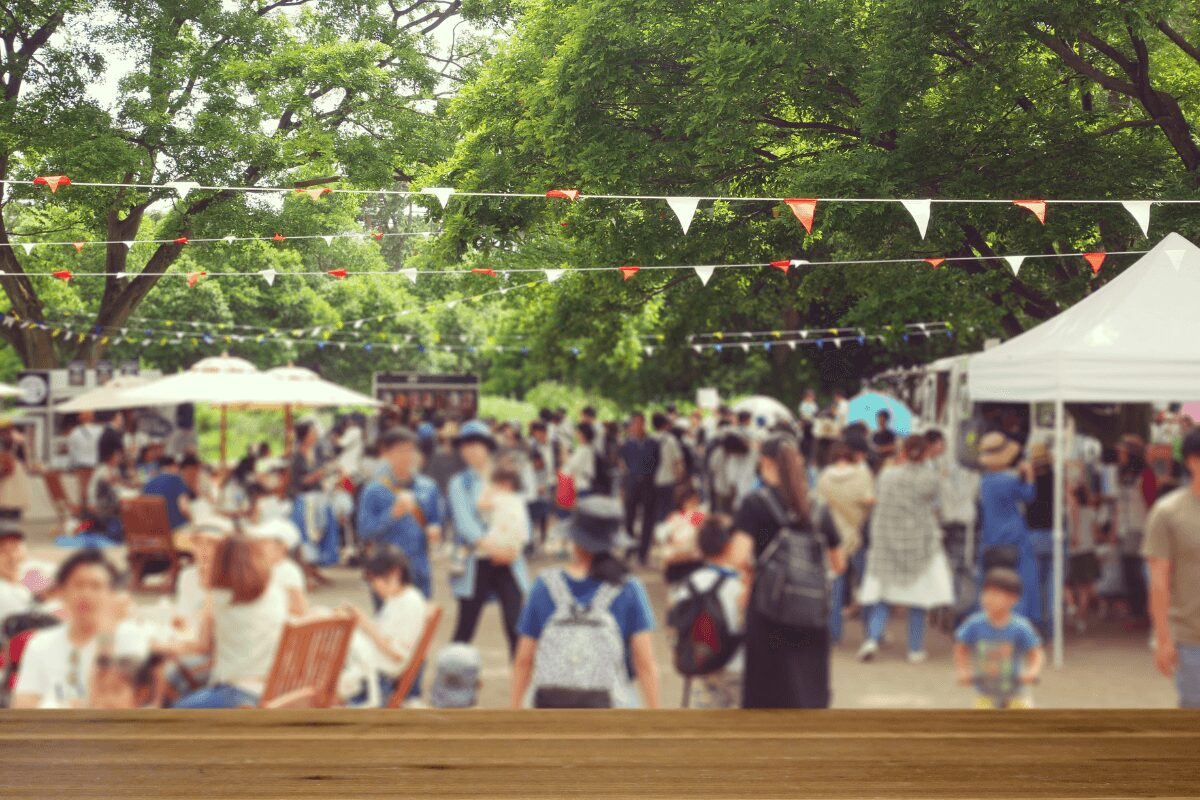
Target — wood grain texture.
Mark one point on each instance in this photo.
(611, 754)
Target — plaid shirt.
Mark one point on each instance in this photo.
(904, 525)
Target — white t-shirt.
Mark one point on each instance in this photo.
(731, 592)
(58, 672)
(582, 467)
(83, 445)
(670, 460)
(401, 619)
(287, 574)
(246, 637)
(190, 595)
(1085, 536)
(14, 598)
(509, 524)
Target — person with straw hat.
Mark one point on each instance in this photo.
(1004, 539)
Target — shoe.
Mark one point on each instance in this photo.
(868, 650)
(917, 657)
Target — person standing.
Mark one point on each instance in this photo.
(786, 666)
(669, 473)
(311, 511)
(907, 565)
(401, 508)
(1039, 518)
(1172, 551)
(485, 569)
(14, 478)
(83, 450)
(1137, 489)
(1004, 540)
(847, 488)
(640, 457)
(958, 513)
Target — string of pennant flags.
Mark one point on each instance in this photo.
(684, 207)
(1095, 260)
(129, 244)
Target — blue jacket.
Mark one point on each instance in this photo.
(375, 522)
(464, 491)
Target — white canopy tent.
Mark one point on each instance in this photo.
(1136, 340)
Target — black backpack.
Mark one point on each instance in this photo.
(790, 585)
(704, 641)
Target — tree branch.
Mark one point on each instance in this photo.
(1180, 42)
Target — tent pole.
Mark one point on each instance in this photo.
(224, 432)
(1060, 448)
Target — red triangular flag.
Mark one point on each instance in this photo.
(377, 236)
(1038, 207)
(934, 262)
(566, 194)
(781, 265)
(193, 277)
(62, 274)
(629, 272)
(338, 273)
(485, 271)
(79, 246)
(181, 240)
(53, 181)
(1096, 260)
(279, 237)
(803, 208)
(314, 192)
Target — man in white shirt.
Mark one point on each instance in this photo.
(57, 663)
(83, 449)
(671, 466)
(14, 596)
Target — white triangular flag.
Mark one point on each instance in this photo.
(685, 209)
(28, 247)
(1015, 262)
(341, 346)
(1176, 257)
(395, 348)
(442, 193)
(182, 188)
(746, 348)
(229, 239)
(705, 273)
(452, 304)
(128, 245)
(919, 209)
(649, 351)
(269, 276)
(698, 347)
(1140, 211)
(358, 324)
(411, 274)
(797, 262)
(554, 274)
(121, 275)
(328, 239)
(792, 344)
(838, 342)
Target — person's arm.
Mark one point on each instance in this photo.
(1166, 655)
(432, 509)
(371, 629)
(467, 525)
(962, 663)
(522, 669)
(641, 648)
(1035, 659)
(296, 601)
(374, 512)
(837, 560)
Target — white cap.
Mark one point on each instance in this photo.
(213, 525)
(280, 530)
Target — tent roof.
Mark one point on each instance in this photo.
(1135, 340)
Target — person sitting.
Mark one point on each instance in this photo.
(457, 681)
(396, 627)
(169, 485)
(15, 597)
(102, 511)
(276, 538)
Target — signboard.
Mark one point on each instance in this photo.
(130, 368)
(707, 399)
(77, 374)
(104, 372)
(454, 397)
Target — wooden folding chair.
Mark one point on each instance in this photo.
(433, 616)
(150, 546)
(310, 656)
(64, 508)
(301, 698)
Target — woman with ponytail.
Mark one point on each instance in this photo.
(786, 666)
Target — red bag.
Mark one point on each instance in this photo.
(564, 495)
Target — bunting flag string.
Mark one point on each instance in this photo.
(184, 240)
(684, 206)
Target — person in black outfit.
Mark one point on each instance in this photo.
(639, 455)
(786, 667)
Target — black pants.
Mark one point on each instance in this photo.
(490, 578)
(1132, 570)
(641, 497)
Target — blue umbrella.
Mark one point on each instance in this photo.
(864, 407)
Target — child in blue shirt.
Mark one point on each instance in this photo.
(996, 650)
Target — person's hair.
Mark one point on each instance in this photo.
(914, 447)
(885, 415)
(508, 476)
(793, 481)
(301, 431)
(659, 421)
(672, 409)
(1003, 579)
(586, 431)
(637, 415)
(90, 557)
(934, 436)
(744, 416)
(735, 444)
(108, 449)
(166, 462)
(545, 414)
(537, 426)
(1191, 445)
(683, 494)
(387, 561)
(840, 451)
(396, 437)
(588, 411)
(608, 568)
(1136, 462)
(239, 568)
(189, 461)
(714, 535)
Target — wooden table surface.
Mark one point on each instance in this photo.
(608, 754)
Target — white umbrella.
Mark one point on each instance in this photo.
(216, 381)
(307, 389)
(109, 397)
(9, 391)
(767, 408)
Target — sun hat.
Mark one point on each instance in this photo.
(475, 431)
(1039, 453)
(279, 530)
(596, 525)
(997, 451)
(456, 683)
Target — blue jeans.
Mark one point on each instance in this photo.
(220, 696)
(877, 619)
(1187, 675)
(840, 594)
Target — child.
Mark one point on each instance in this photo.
(507, 513)
(126, 682)
(996, 650)
(396, 627)
(681, 554)
(722, 688)
(458, 681)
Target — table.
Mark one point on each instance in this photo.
(599, 754)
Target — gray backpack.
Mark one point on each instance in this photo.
(580, 661)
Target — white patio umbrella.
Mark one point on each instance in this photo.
(109, 397)
(767, 408)
(307, 389)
